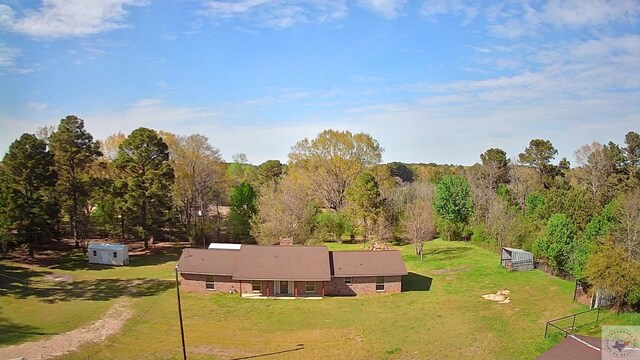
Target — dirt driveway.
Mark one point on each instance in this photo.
(110, 323)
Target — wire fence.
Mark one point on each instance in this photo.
(567, 325)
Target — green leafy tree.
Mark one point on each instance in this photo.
(495, 165)
(454, 204)
(331, 225)
(74, 152)
(539, 154)
(330, 163)
(270, 171)
(365, 202)
(240, 170)
(243, 208)
(601, 225)
(535, 205)
(577, 203)
(557, 242)
(28, 177)
(143, 159)
(609, 269)
(401, 171)
(632, 155)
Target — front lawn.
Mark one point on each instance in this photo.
(442, 315)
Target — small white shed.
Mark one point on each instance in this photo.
(225, 246)
(516, 259)
(108, 254)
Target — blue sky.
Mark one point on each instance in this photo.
(434, 81)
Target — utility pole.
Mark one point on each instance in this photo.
(184, 348)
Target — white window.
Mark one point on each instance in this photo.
(210, 282)
(348, 281)
(115, 255)
(256, 286)
(310, 287)
(379, 283)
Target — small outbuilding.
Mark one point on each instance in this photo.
(516, 259)
(108, 254)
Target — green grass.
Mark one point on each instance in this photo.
(34, 306)
(442, 316)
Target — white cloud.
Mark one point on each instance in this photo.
(390, 9)
(528, 18)
(37, 106)
(146, 103)
(593, 12)
(68, 18)
(432, 8)
(276, 13)
(8, 55)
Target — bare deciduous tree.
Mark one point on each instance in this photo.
(522, 182)
(284, 211)
(594, 167)
(627, 234)
(418, 223)
(198, 172)
(332, 161)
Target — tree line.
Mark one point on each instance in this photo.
(582, 221)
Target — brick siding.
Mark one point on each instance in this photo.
(196, 283)
(361, 285)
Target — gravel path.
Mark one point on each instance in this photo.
(110, 323)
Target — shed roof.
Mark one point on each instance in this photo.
(110, 247)
(575, 347)
(516, 250)
(302, 263)
(367, 263)
(211, 262)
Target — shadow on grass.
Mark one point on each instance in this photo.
(22, 283)
(416, 282)
(12, 333)
(298, 347)
(79, 261)
(448, 253)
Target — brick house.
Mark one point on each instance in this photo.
(291, 271)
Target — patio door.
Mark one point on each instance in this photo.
(284, 287)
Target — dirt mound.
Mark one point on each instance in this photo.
(501, 297)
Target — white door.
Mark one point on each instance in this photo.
(105, 257)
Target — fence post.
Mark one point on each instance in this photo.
(546, 328)
(573, 325)
(597, 315)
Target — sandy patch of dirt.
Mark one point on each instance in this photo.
(110, 323)
(59, 278)
(501, 297)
